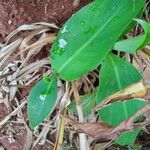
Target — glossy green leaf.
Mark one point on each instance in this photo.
(116, 113)
(42, 100)
(88, 103)
(87, 37)
(131, 45)
(115, 75)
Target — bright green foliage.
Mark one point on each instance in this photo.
(88, 103)
(132, 25)
(115, 75)
(128, 138)
(131, 45)
(116, 113)
(42, 100)
(88, 36)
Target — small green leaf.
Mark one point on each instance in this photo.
(115, 75)
(42, 100)
(117, 112)
(88, 36)
(128, 137)
(88, 103)
(131, 45)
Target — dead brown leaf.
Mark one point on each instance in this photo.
(101, 130)
(147, 96)
(95, 130)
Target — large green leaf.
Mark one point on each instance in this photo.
(115, 75)
(41, 101)
(88, 103)
(88, 36)
(116, 113)
(131, 45)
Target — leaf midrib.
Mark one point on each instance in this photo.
(117, 75)
(78, 52)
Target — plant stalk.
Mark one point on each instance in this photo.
(84, 145)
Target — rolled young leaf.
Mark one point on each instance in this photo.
(88, 36)
(41, 101)
(131, 45)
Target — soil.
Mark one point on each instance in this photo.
(17, 12)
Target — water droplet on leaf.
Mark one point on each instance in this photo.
(90, 30)
(42, 97)
(82, 22)
(113, 8)
(62, 43)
